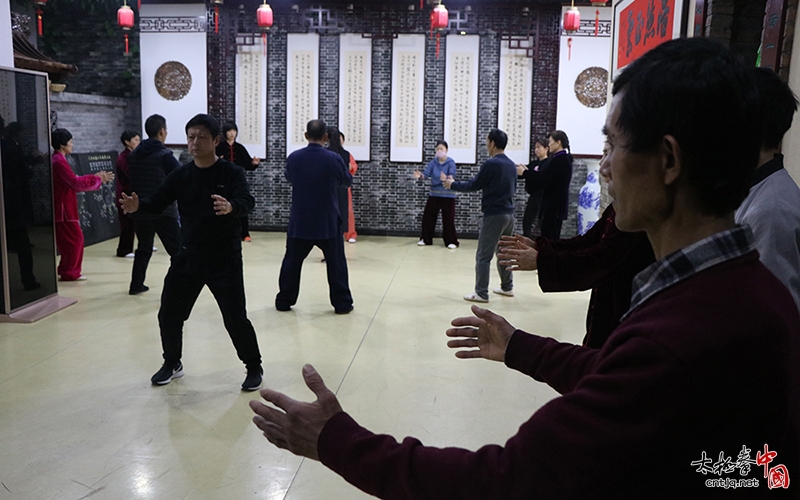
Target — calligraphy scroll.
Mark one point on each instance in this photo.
(461, 97)
(302, 87)
(640, 25)
(514, 107)
(408, 82)
(355, 93)
(251, 104)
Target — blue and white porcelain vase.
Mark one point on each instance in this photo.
(589, 200)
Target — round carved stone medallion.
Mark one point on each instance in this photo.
(173, 80)
(591, 87)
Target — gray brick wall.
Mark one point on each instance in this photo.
(95, 121)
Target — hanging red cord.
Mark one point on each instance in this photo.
(596, 21)
(39, 19)
(216, 19)
(126, 44)
(569, 49)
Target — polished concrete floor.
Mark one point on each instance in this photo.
(79, 418)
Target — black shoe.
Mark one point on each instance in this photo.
(253, 380)
(137, 291)
(282, 307)
(167, 372)
(346, 310)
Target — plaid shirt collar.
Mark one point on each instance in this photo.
(688, 261)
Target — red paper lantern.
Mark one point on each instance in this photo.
(572, 20)
(264, 20)
(439, 17)
(125, 21)
(264, 16)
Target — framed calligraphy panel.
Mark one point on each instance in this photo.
(302, 87)
(640, 25)
(461, 97)
(251, 98)
(355, 93)
(514, 106)
(408, 84)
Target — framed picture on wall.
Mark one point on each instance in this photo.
(640, 25)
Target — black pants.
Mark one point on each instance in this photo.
(182, 285)
(433, 206)
(296, 251)
(245, 226)
(551, 227)
(531, 214)
(168, 230)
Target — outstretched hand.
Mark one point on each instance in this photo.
(130, 204)
(518, 253)
(296, 425)
(484, 335)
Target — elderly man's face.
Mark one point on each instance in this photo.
(636, 179)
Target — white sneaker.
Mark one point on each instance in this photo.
(155, 249)
(351, 240)
(474, 297)
(130, 255)
(421, 243)
(507, 293)
(452, 246)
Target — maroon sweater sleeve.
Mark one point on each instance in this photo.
(582, 262)
(564, 450)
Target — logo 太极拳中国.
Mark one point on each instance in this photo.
(777, 476)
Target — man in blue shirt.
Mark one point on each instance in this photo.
(497, 179)
(315, 219)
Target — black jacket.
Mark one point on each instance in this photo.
(148, 167)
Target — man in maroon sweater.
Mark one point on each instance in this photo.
(694, 395)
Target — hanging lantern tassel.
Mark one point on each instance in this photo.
(39, 19)
(437, 45)
(569, 49)
(127, 51)
(216, 18)
(596, 21)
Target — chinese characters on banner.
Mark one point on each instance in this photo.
(643, 24)
(461, 118)
(354, 113)
(515, 116)
(249, 97)
(303, 93)
(408, 89)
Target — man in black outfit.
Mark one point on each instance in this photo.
(316, 219)
(148, 166)
(212, 194)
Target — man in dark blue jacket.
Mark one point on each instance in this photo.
(148, 166)
(315, 220)
(497, 179)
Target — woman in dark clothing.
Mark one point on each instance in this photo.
(540, 161)
(335, 145)
(554, 179)
(235, 153)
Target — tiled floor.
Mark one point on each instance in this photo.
(79, 418)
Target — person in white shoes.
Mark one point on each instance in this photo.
(497, 179)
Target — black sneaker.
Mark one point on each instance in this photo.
(253, 380)
(167, 373)
(137, 291)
